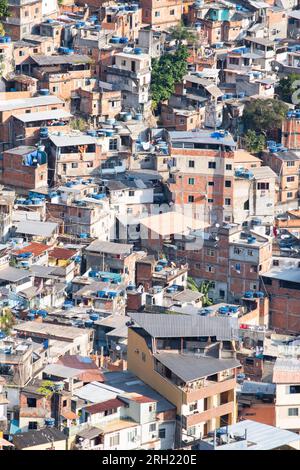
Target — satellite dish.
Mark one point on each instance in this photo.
(118, 348)
(217, 225)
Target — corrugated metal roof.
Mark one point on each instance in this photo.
(10, 105)
(104, 405)
(262, 436)
(109, 247)
(168, 326)
(286, 371)
(189, 367)
(61, 59)
(43, 115)
(44, 229)
(65, 140)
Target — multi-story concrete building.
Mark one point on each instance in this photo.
(230, 258)
(286, 165)
(24, 17)
(191, 362)
(163, 15)
(202, 173)
(286, 377)
(132, 73)
(291, 131)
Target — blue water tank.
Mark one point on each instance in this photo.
(163, 262)
(158, 268)
(30, 316)
(92, 133)
(138, 117)
(248, 294)
(124, 40)
(137, 51)
(94, 317)
(2, 335)
(115, 40)
(44, 92)
(88, 323)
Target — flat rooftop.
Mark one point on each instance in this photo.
(10, 105)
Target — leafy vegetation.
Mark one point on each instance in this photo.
(79, 124)
(4, 9)
(254, 142)
(285, 88)
(7, 321)
(181, 34)
(204, 289)
(166, 72)
(46, 388)
(264, 116)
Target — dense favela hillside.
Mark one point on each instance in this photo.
(149, 225)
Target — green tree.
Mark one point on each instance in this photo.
(46, 388)
(254, 142)
(4, 9)
(181, 34)
(204, 289)
(7, 321)
(78, 124)
(285, 88)
(166, 72)
(264, 116)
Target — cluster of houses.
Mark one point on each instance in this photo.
(149, 263)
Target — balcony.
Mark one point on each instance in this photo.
(216, 412)
(209, 388)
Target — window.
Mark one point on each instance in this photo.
(113, 144)
(193, 406)
(227, 201)
(26, 13)
(143, 357)
(290, 164)
(227, 184)
(263, 186)
(290, 179)
(212, 165)
(172, 12)
(36, 10)
(157, 13)
(237, 251)
(191, 431)
(234, 61)
(210, 201)
(210, 269)
(162, 433)
(293, 411)
(211, 252)
(191, 180)
(123, 62)
(211, 183)
(64, 403)
(114, 440)
(250, 253)
(131, 435)
(21, 53)
(152, 427)
(253, 268)
(275, 262)
(32, 425)
(294, 388)
(221, 293)
(74, 165)
(131, 193)
(191, 163)
(198, 266)
(191, 198)
(228, 167)
(31, 402)
(289, 194)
